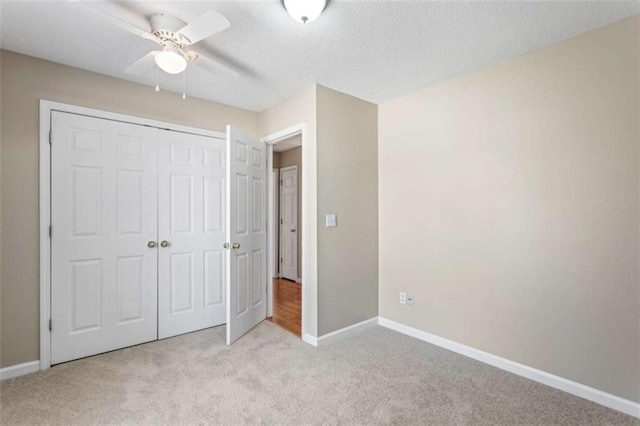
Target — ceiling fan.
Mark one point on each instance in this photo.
(174, 36)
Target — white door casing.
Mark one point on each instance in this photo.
(289, 223)
(276, 205)
(191, 232)
(246, 226)
(103, 214)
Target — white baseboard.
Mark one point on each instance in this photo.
(312, 340)
(339, 334)
(608, 400)
(19, 370)
(346, 331)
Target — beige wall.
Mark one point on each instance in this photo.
(25, 80)
(509, 208)
(301, 108)
(341, 142)
(293, 157)
(347, 186)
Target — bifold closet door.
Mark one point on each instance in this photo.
(191, 232)
(104, 214)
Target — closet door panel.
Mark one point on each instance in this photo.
(246, 280)
(103, 214)
(191, 215)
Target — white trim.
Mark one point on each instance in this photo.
(346, 331)
(46, 107)
(107, 115)
(19, 370)
(273, 246)
(270, 140)
(608, 400)
(276, 137)
(45, 246)
(271, 230)
(275, 176)
(307, 338)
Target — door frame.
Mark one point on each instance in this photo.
(280, 233)
(304, 256)
(275, 177)
(46, 108)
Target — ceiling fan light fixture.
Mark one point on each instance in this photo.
(304, 10)
(170, 61)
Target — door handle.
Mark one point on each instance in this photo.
(164, 243)
(151, 244)
(226, 245)
(235, 246)
(293, 230)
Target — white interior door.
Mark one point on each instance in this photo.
(191, 233)
(103, 215)
(289, 223)
(247, 261)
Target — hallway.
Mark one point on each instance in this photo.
(287, 296)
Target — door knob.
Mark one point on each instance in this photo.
(226, 245)
(151, 244)
(235, 246)
(164, 243)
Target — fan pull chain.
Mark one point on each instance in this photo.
(184, 84)
(157, 79)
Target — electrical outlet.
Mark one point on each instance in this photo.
(410, 299)
(403, 298)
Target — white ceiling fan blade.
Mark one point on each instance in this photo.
(121, 17)
(143, 65)
(203, 26)
(210, 65)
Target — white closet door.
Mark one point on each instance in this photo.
(103, 214)
(247, 277)
(191, 232)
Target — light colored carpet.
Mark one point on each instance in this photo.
(270, 376)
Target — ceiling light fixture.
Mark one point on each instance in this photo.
(304, 10)
(170, 60)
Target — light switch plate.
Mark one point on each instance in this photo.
(331, 221)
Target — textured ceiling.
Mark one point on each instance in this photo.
(375, 50)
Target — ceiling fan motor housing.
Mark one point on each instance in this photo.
(166, 28)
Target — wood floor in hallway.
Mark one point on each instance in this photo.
(287, 296)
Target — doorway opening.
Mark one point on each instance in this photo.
(286, 239)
